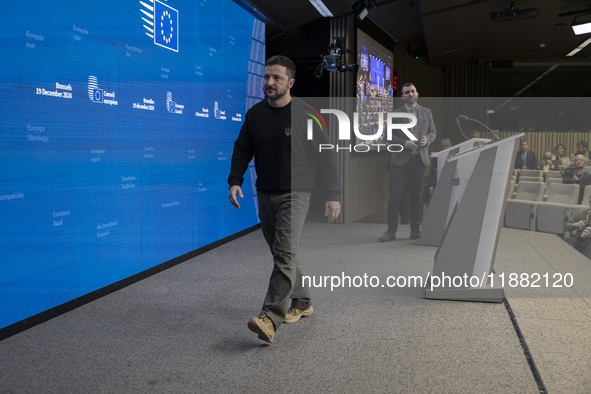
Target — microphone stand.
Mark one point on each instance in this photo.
(460, 127)
(464, 117)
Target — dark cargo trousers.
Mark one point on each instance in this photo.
(282, 220)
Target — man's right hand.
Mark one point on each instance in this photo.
(234, 190)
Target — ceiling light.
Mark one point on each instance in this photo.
(581, 27)
(321, 8)
(577, 49)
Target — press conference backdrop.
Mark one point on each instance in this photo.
(117, 125)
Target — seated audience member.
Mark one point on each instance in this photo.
(546, 164)
(580, 223)
(576, 174)
(525, 159)
(473, 134)
(560, 157)
(445, 143)
(583, 149)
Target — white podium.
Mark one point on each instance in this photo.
(468, 245)
(444, 196)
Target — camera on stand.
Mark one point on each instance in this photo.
(334, 59)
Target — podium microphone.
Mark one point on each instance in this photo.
(464, 117)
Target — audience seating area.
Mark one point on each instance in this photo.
(541, 202)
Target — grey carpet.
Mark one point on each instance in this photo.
(184, 330)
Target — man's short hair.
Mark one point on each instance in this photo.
(582, 156)
(407, 85)
(282, 61)
(583, 144)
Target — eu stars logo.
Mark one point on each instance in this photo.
(166, 20)
(161, 23)
(97, 95)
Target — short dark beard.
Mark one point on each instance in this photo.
(278, 95)
(410, 102)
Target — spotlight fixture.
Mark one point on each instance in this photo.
(513, 13)
(414, 52)
(361, 7)
(581, 27)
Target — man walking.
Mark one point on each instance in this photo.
(285, 163)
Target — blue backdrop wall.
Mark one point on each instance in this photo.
(117, 125)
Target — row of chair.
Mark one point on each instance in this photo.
(540, 178)
(513, 186)
(535, 173)
(525, 174)
(529, 209)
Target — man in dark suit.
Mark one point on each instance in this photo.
(525, 159)
(407, 168)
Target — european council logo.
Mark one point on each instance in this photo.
(162, 24)
(172, 106)
(94, 93)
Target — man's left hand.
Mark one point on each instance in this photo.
(423, 141)
(332, 209)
